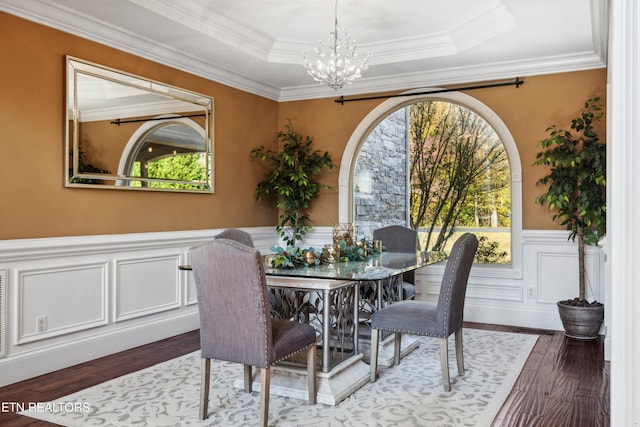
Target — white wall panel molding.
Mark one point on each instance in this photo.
(190, 292)
(557, 276)
(540, 316)
(3, 313)
(102, 294)
(493, 292)
(55, 247)
(549, 274)
(59, 353)
(556, 237)
(477, 290)
(556, 271)
(58, 301)
(145, 286)
(317, 238)
(73, 299)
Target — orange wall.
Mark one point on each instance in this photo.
(35, 202)
(527, 111)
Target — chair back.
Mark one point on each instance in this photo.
(397, 238)
(232, 295)
(237, 235)
(450, 309)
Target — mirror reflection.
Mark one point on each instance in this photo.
(127, 132)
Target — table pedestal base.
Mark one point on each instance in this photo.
(385, 352)
(333, 387)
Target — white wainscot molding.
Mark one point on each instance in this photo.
(132, 298)
(549, 274)
(523, 296)
(73, 299)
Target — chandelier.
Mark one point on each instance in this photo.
(336, 67)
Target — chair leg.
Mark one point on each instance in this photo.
(205, 371)
(265, 378)
(311, 374)
(444, 363)
(373, 363)
(459, 352)
(397, 346)
(248, 380)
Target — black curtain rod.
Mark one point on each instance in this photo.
(517, 82)
(119, 122)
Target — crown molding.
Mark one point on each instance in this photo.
(452, 76)
(70, 21)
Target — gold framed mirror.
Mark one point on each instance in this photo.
(128, 132)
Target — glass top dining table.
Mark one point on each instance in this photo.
(375, 267)
(337, 286)
(346, 280)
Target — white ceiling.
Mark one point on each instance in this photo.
(256, 45)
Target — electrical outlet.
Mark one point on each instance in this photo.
(41, 322)
(531, 292)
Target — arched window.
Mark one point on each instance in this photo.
(169, 149)
(400, 166)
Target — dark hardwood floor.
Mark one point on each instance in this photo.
(564, 382)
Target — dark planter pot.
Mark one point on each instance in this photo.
(581, 323)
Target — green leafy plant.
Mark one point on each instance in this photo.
(488, 252)
(85, 167)
(576, 180)
(290, 257)
(291, 179)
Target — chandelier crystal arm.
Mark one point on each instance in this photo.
(336, 67)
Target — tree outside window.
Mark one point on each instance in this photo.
(455, 178)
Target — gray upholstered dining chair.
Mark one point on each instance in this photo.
(275, 300)
(234, 319)
(397, 238)
(428, 319)
(237, 235)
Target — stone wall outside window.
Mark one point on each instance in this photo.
(380, 179)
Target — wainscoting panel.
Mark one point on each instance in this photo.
(475, 288)
(3, 313)
(73, 299)
(494, 292)
(145, 286)
(550, 274)
(557, 274)
(191, 292)
(60, 301)
(69, 300)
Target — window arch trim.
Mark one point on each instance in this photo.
(359, 136)
(137, 138)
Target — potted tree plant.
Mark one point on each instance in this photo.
(291, 179)
(577, 193)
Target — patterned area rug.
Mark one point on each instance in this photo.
(410, 394)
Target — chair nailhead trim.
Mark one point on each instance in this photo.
(446, 312)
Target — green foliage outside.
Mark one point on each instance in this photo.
(290, 179)
(459, 177)
(182, 167)
(489, 251)
(494, 247)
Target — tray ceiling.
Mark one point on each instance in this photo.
(256, 45)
